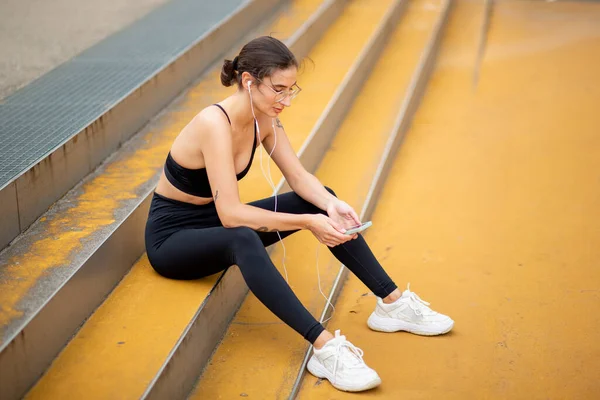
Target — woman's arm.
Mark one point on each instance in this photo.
(266, 221)
(312, 190)
(305, 184)
(215, 140)
(217, 152)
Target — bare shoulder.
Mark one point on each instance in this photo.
(204, 131)
(208, 121)
(208, 124)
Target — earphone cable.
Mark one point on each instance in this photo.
(269, 179)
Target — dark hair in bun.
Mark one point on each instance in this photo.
(260, 57)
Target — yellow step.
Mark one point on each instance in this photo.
(122, 346)
(491, 212)
(260, 356)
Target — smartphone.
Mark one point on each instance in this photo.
(358, 228)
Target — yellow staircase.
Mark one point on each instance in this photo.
(490, 210)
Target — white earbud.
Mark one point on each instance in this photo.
(269, 178)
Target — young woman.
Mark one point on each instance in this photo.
(198, 226)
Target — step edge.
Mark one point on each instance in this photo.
(16, 363)
(301, 42)
(226, 295)
(409, 106)
(410, 103)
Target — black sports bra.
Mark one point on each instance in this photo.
(195, 181)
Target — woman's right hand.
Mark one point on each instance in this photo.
(327, 231)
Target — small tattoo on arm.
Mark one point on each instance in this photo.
(216, 195)
(265, 229)
(278, 123)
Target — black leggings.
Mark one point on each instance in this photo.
(186, 241)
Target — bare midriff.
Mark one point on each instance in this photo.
(166, 189)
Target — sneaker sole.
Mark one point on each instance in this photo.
(319, 371)
(382, 324)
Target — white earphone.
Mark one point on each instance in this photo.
(272, 184)
(268, 174)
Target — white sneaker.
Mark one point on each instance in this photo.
(342, 364)
(409, 313)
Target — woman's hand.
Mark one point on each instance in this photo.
(327, 231)
(343, 214)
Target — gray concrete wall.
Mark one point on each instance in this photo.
(38, 35)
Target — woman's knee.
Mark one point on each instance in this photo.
(245, 237)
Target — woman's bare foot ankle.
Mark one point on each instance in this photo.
(392, 297)
(323, 338)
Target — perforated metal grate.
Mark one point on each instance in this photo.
(54, 108)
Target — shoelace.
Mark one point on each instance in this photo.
(355, 351)
(418, 305)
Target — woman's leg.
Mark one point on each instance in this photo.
(354, 254)
(195, 253)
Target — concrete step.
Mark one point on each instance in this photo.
(88, 240)
(58, 129)
(491, 212)
(260, 357)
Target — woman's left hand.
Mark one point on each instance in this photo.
(343, 214)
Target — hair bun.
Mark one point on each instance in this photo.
(228, 74)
